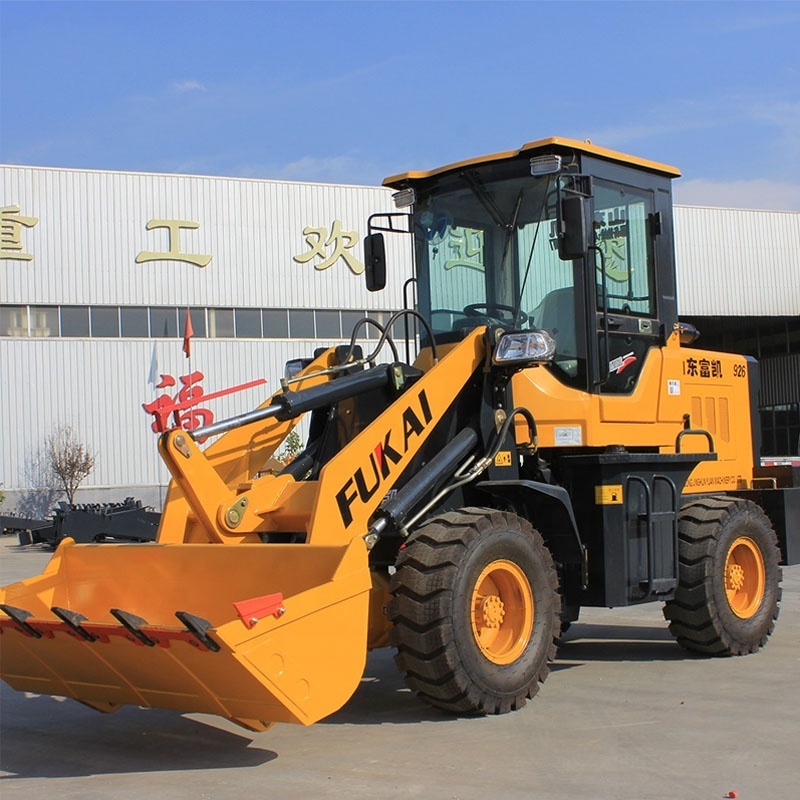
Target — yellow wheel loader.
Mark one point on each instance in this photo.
(556, 443)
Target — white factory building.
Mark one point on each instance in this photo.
(98, 269)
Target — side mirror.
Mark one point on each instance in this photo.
(573, 241)
(375, 262)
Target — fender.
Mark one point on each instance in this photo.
(551, 507)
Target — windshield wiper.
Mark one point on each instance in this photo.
(486, 200)
(530, 254)
(510, 229)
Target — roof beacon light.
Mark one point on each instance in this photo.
(531, 347)
(404, 198)
(549, 164)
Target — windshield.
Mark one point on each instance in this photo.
(486, 252)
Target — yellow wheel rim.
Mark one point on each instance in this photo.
(745, 577)
(502, 612)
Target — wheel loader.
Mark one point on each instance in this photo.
(556, 442)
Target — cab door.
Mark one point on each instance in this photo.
(627, 325)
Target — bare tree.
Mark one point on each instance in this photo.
(69, 459)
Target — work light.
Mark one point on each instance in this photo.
(531, 347)
(545, 165)
(404, 198)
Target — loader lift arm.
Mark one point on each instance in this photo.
(297, 665)
(372, 461)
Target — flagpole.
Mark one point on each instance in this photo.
(188, 333)
(152, 375)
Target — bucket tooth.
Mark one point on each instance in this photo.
(20, 615)
(198, 627)
(75, 621)
(133, 624)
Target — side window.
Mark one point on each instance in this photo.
(542, 272)
(622, 231)
(548, 297)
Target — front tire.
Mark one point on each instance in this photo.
(728, 593)
(475, 611)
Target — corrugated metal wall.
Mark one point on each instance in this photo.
(97, 387)
(92, 225)
(734, 262)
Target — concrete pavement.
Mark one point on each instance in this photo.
(625, 714)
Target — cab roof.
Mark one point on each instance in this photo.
(396, 181)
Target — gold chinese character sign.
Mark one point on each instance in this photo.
(11, 225)
(174, 226)
(342, 241)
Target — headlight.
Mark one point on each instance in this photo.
(532, 347)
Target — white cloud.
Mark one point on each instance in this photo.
(758, 193)
(187, 86)
(309, 168)
(331, 169)
(784, 117)
(751, 23)
(622, 136)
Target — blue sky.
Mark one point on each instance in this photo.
(351, 92)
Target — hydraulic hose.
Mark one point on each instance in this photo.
(440, 468)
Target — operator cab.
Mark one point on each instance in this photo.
(561, 236)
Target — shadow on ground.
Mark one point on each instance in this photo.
(45, 737)
(34, 728)
(382, 696)
(583, 644)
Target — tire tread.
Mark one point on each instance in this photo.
(698, 615)
(421, 612)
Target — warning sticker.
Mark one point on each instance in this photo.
(608, 494)
(503, 459)
(619, 364)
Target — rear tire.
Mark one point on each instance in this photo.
(475, 611)
(728, 593)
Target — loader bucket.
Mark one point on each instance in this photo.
(264, 632)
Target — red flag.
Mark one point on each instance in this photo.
(187, 335)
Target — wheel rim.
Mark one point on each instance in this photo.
(502, 612)
(745, 577)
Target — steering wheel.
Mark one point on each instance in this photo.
(491, 310)
(450, 311)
